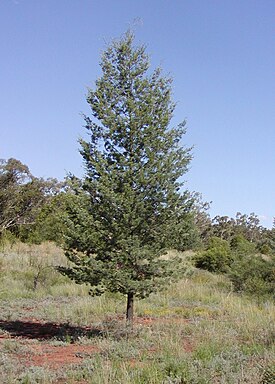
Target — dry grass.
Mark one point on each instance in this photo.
(198, 331)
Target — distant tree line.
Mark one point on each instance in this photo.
(30, 207)
(34, 210)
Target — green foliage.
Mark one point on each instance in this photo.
(134, 209)
(187, 235)
(247, 226)
(176, 372)
(253, 275)
(267, 243)
(216, 258)
(248, 272)
(264, 249)
(223, 227)
(202, 219)
(51, 223)
(16, 188)
(241, 247)
(22, 196)
(6, 238)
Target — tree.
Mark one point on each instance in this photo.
(133, 164)
(51, 220)
(202, 218)
(249, 226)
(21, 195)
(223, 227)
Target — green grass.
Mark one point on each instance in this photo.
(197, 331)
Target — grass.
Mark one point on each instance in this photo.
(196, 332)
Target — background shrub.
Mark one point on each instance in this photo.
(216, 258)
(253, 275)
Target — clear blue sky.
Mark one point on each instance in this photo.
(221, 54)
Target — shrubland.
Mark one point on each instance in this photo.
(250, 271)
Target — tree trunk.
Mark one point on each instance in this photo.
(130, 310)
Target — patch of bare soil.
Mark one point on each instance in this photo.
(57, 356)
(44, 353)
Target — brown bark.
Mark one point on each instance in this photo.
(130, 310)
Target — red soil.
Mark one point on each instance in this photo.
(26, 331)
(57, 356)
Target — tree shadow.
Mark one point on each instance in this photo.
(47, 331)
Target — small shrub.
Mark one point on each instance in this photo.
(264, 249)
(7, 239)
(176, 372)
(253, 275)
(216, 258)
(241, 246)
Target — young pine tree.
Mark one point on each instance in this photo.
(133, 164)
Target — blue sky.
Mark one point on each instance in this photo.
(221, 54)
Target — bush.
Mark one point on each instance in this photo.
(6, 239)
(264, 249)
(253, 275)
(216, 258)
(241, 246)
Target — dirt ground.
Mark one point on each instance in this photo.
(36, 337)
